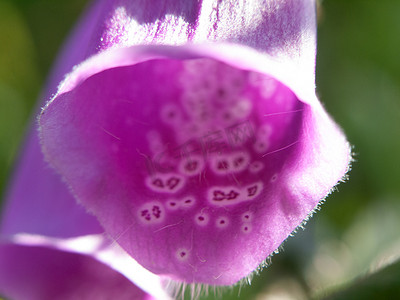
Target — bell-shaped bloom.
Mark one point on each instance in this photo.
(192, 132)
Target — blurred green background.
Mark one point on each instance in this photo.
(349, 250)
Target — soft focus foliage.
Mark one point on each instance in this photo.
(358, 81)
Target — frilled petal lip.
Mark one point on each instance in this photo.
(300, 81)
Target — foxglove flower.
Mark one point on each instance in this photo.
(191, 130)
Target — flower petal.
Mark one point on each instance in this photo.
(198, 169)
(39, 202)
(51, 274)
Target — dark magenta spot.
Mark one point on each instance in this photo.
(238, 161)
(191, 166)
(172, 182)
(156, 211)
(232, 195)
(221, 92)
(158, 182)
(252, 190)
(222, 165)
(219, 195)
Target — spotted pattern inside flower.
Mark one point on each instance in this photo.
(151, 213)
(247, 216)
(233, 163)
(187, 202)
(182, 254)
(192, 165)
(207, 159)
(165, 183)
(196, 160)
(202, 219)
(246, 228)
(230, 195)
(222, 222)
(173, 204)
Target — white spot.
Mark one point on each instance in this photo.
(151, 213)
(224, 195)
(230, 195)
(222, 222)
(187, 202)
(242, 108)
(260, 146)
(246, 228)
(256, 167)
(264, 131)
(251, 191)
(201, 219)
(165, 183)
(182, 254)
(221, 165)
(232, 163)
(239, 161)
(192, 165)
(173, 204)
(247, 217)
(268, 87)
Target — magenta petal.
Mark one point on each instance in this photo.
(197, 168)
(39, 202)
(40, 273)
(198, 160)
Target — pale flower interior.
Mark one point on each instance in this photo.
(180, 160)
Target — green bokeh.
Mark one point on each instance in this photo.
(358, 80)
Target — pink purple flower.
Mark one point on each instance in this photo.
(192, 132)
